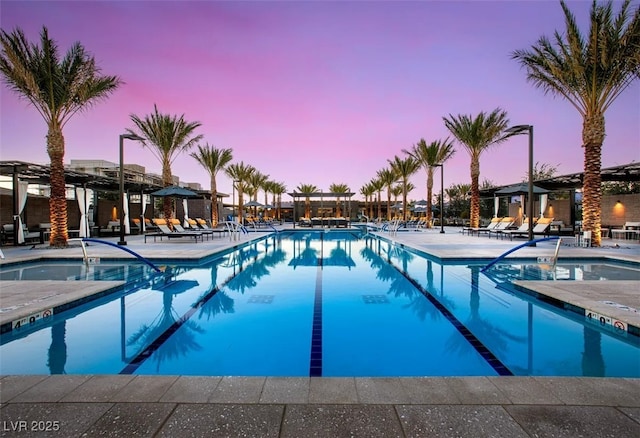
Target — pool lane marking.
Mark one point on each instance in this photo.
(139, 359)
(315, 362)
(486, 354)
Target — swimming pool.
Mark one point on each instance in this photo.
(324, 304)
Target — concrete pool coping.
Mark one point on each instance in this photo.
(239, 406)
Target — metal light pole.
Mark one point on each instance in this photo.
(122, 137)
(233, 198)
(441, 166)
(520, 129)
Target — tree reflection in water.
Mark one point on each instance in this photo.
(481, 328)
(592, 359)
(181, 341)
(400, 286)
(256, 269)
(57, 357)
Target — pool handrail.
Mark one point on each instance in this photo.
(106, 242)
(528, 243)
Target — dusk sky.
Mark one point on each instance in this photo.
(314, 92)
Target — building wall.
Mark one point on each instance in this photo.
(614, 213)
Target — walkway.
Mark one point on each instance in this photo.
(115, 405)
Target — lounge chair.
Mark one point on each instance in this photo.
(305, 222)
(177, 228)
(202, 225)
(630, 229)
(193, 227)
(520, 231)
(504, 223)
(8, 234)
(543, 226)
(494, 223)
(166, 232)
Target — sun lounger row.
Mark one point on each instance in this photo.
(630, 230)
(501, 227)
(338, 222)
(541, 227)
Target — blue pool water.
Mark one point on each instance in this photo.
(320, 304)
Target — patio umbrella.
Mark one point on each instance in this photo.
(397, 206)
(175, 191)
(421, 202)
(253, 204)
(178, 192)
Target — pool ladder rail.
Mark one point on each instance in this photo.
(85, 256)
(529, 243)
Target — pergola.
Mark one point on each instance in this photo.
(621, 173)
(322, 195)
(40, 174)
(572, 181)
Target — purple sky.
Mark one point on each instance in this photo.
(313, 92)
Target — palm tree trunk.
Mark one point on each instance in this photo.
(592, 136)
(58, 197)
(214, 202)
(429, 194)
(240, 204)
(404, 200)
(388, 203)
(379, 206)
(167, 200)
(475, 193)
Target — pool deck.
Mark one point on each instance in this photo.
(119, 405)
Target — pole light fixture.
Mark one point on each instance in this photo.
(122, 240)
(441, 166)
(233, 199)
(519, 129)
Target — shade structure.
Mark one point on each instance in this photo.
(252, 204)
(521, 189)
(421, 202)
(175, 191)
(397, 206)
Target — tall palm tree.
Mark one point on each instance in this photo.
(590, 73)
(58, 89)
(377, 186)
(395, 192)
(267, 187)
(240, 174)
(430, 156)
(477, 135)
(339, 189)
(256, 180)
(307, 189)
(166, 136)
(213, 160)
(387, 177)
(368, 191)
(404, 168)
(278, 188)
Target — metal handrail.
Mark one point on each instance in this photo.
(531, 242)
(105, 242)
